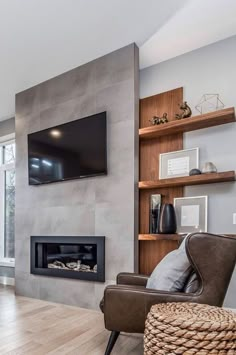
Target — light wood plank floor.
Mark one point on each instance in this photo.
(33, 327)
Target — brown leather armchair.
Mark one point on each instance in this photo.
(127, 304)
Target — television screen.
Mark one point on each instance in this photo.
(73, 150)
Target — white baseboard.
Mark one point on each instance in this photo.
(4, 280)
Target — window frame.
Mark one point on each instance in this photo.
(8, 262)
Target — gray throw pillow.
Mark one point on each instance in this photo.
(192, 284)
(172, 272)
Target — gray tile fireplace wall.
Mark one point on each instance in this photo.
(96, 206)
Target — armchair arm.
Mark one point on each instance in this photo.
(128, 278)
(126, 307)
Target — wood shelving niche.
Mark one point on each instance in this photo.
(164, 138)
(189, 180)
(189, 124)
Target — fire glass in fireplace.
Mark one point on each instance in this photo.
(72, 257)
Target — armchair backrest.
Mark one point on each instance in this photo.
(213, 257)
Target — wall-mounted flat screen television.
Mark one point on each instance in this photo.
(73, 150)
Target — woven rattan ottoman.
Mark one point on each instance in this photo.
(189, 329)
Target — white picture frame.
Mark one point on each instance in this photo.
(178, 163)
(191, 214)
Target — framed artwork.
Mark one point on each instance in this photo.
(179, 163)
(191, 214)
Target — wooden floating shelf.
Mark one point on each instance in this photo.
(202, 179)
(176, 236)
(159, 237)
(189, 124)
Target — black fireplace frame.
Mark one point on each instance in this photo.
(88, 276)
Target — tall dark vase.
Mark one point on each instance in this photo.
(167, 220)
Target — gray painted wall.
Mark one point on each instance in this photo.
(92, 206)
(208, 70)
(7, 127)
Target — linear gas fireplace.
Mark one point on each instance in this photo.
(70, 257)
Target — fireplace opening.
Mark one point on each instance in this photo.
(72, 257)
(80, 258)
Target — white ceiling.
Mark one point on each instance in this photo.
(197, 24)
(40, 39)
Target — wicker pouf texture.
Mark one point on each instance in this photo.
(189, 329)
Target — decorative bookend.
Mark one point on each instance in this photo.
(155, 203)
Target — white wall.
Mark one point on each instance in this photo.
(211, 69)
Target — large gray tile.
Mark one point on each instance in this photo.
(26, 285)
(28, 222)
(22, 260)
(121, 137)
(27, 124)
(121, 149)
(67, 111)
(115, 221)
(119, 257)
(21, 174)
(114, 189)
(27, 102)
(24, 126)
(67, 291)
(115, 67)
(67, 220)
(117, 100)
(27, 196)
(72, 84)
(67, 193)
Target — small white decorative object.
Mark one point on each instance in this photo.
(209, 167)
(209, 103)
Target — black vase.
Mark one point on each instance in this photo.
(167, 220)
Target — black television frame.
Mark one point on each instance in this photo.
(76, 177)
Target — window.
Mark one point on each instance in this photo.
(7, 202)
